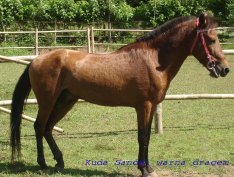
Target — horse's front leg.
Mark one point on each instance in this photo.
(144, 119)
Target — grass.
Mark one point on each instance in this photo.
(193, 130)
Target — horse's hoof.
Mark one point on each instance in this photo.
(146, 175)
(153, 174)
(59, 167)
(46, 171)
(44, 167)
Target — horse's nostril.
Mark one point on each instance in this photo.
(226, 70)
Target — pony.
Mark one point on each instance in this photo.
(136, 75)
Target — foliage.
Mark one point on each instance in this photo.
(62, 10)
(88, 11)
(152, 12)
(121, 11)
(10, 10)
(231, 16)
(157, 12)
(221, 9)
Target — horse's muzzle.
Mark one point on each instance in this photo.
(219, 70)
(224, 72)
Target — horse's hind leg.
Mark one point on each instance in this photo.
(62, 106)
(39, 126)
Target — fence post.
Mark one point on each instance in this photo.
(55, 34)
(158, 125)
(36, 42)
(4, 29)
(92, 39)
(88, 38)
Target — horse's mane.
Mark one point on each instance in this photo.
(163, 28)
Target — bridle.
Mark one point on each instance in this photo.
(200, 32)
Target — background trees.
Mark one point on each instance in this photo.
(148, 12)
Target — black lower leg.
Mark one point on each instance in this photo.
(63, 104)
(58, 156)
(148, 167)
(40, 151)
(142, 163)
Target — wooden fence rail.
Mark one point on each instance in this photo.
(158, 120)
(4, 58)
(90, 38)
(28, 118)
(37, 33)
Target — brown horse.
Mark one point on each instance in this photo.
(137, 75)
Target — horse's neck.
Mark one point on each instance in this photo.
(173, 61)
(170, 51)
(173, 52)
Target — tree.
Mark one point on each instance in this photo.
(88, 11)
(62, 10)
(10, 11)
(156, 12)
(136, 3)
(221, 10)
(151, 12)
(116, 10)
(231, 9)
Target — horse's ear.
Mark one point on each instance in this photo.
(202, 20)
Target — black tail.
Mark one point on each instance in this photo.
(21, 93)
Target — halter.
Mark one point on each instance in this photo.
(211, 61)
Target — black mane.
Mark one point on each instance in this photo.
(165, 27)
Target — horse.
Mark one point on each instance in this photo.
(136, 75)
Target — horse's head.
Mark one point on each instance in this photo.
(206, 47)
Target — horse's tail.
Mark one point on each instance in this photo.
(21, 93)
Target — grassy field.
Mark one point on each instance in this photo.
(193, 130)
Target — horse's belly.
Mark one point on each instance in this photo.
(108, 101)
(105, 95)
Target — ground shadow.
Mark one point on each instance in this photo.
(100, 134)
(81, 135)
(88, 134)
(198, 126)
(18, 168)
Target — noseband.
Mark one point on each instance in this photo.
(200, 32)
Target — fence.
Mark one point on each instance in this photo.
(93, 43)
(36, 33)
(28, 118)
(90, 38)
(158, 114)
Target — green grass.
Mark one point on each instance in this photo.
(197, 129)
(14, 52)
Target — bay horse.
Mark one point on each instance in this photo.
(136, 75)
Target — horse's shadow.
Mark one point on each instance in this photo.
(18, 168)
